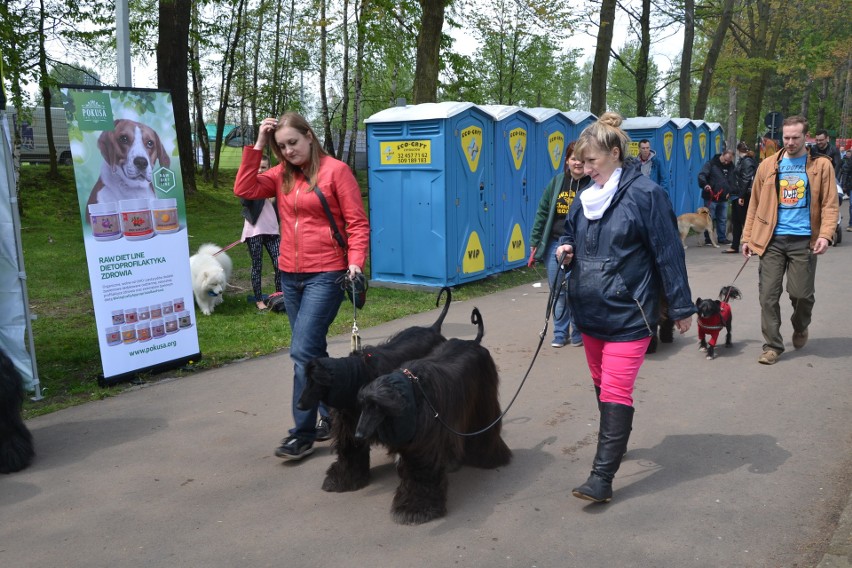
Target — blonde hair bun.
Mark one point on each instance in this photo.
(611, 119)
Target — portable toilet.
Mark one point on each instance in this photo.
(660, 132)
(703, 136)
(579, 120)
(717, 138)
(552, 129)
(513, 146)
(432, 200)
(685, 167)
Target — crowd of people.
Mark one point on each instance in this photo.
(605, 229)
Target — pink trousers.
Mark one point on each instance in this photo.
(614, 366)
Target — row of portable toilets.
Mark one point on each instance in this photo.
(454, 187)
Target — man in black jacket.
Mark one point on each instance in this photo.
(823, 148)
(716, 181)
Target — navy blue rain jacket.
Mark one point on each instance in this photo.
(625, 260)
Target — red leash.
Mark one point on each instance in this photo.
(230, 246)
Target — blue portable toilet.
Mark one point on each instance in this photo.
(513, 145)
(660, 132)
(717, 138)
(432, 201)
(578, 120)
(686, 165)
(551, 138)
(703, 135)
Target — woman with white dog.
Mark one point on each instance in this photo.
(623, 249)
(311, 260)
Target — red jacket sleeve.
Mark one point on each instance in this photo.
(251, 185)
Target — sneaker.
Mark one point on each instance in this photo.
(724, 242)
(800, 338)
(577, 343)
(849, 229)
(769, 357)
(293, 448)
(323, 428)
(558, 343)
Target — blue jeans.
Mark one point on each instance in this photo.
(561, 311)
(719, 212)
(312, 300)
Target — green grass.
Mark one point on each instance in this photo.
(66, 341)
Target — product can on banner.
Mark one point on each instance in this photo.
(143, 331)
(128, 333)
(113, 335)
(131, 316)
(156, 311)
(144, 313)
(105, 222)
(165, 215)
(184, 320)
(117, 317)
(178, 304)
(171, 323)
(136, 221)
(158, 327)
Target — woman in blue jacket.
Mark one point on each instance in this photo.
(624, 252)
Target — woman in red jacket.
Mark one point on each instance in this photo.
(310, 259)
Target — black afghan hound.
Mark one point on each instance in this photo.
(412, 412)
(16, 442)
(336, 381)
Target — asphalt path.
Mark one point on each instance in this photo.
(731, 463)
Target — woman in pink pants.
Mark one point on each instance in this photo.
(624, 251)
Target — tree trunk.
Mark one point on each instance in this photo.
(328, 143)
(228, 64)
(642, 60)
(685, 87)
(172, 65)
(428, 50)
(761, 48)
(712, 58)
(44, 83)
(806, 98)
(203, 141)
(344, 103)
(823, 97)
(602, 52)
(731, 127)
(359, 77)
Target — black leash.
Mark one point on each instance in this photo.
(728, 293)
(416, 380)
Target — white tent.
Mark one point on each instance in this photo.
(16, 336)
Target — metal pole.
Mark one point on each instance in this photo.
(122, 37)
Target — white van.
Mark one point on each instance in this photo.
(33, 135)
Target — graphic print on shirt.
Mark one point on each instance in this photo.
(792, 184)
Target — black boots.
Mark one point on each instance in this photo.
(615, 427)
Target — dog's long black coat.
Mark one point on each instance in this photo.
(460, 380)
(336, 381)
(16, 442)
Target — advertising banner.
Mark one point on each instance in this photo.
(130, 191)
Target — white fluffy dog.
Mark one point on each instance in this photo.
(210, 275)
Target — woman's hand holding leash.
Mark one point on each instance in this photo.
(354, 271)
(565, 254)
(683, 325)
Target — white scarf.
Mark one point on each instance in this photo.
(596, 199)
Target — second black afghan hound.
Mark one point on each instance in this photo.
(412, 412)
(336, 381)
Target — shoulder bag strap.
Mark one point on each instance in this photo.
(337, 236)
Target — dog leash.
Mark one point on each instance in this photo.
(355, 341)
(416, 380)
(229, 247)
(728, 293)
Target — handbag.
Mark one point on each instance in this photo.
(356, 289)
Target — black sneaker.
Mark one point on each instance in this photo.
(293, 448)
(323, 428)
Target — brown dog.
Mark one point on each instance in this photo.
(699, 222)
(130, 151)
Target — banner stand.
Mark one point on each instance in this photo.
(133, 377)
(133, 218)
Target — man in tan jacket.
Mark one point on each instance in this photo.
(791, 219)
